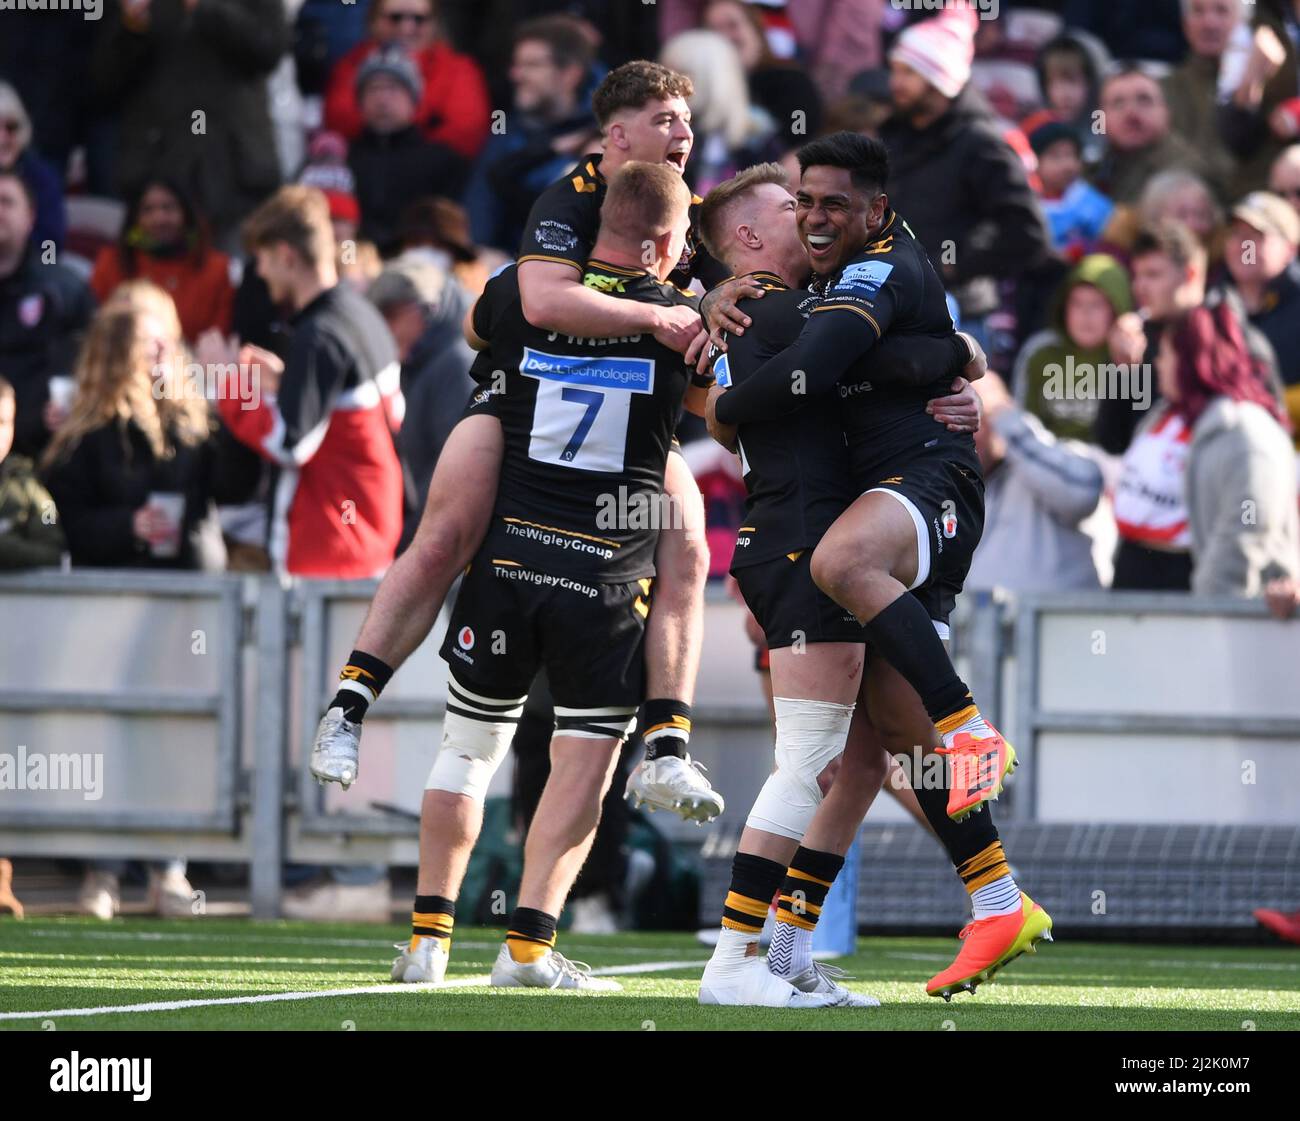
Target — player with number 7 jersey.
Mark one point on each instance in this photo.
(562, 581)
(588, 424)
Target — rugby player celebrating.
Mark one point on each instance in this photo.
(642, 110)
(583, 419)
(897, 557)
(796, 473)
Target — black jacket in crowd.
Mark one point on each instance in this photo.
(394, 170)
(958, 181)
(99, 485)
(44, 310)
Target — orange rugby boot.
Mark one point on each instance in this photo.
(989, 944)
(978, 768)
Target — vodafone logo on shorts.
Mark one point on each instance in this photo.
(465, 639)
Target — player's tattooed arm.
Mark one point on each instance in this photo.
(720, 312)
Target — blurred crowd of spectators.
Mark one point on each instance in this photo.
(1110, 191)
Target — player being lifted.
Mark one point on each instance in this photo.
(558, 583)
(641, 107)
(796, 474)
(897, 557)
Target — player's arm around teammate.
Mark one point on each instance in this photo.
(798, 481)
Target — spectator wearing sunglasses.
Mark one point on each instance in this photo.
(454, 107)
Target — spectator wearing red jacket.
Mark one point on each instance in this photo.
(164, 240)
(454, 109)
(326, 415)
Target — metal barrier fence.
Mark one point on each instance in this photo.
(89, 655)
(191, 702)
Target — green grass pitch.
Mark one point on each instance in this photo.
(48, 965)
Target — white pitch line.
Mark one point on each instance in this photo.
(366, 943)
(360, 990)
(375, 944)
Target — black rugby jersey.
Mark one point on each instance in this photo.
(564, 220)
(587, 426)
(796, 468)
(888, 288)
(891, 287)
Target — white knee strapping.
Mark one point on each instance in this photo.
(476, 734)
(809, 734)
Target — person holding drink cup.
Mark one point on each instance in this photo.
(132, 467)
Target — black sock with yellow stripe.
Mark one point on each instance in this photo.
(754, 880)
(530, 934)
(433, 917)
(363, 679)
(804, 888)
(803, 892)
(667, 726)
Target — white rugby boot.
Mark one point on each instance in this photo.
(335, 750)
(170, 894)
(551, 971)
(679, 785)
(822, 978)
(100, 894)
(423, 961)
(749, 982)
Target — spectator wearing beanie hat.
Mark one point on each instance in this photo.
(327, 170)
(392, 161)
(424, 308)
(986, 224)
(454, 107)
(941, 50)
(1076, 211)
